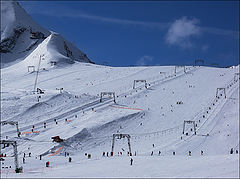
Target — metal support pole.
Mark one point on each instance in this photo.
(15, 155)
(183, 127)
(114, 99)
(101, 98)
(35, 84)
(129, 145)
(195, 132)
(18, 132)
(14, 144)
(113, 142)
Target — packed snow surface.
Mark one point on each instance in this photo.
(153, 116)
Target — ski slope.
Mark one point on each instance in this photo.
(150, 116)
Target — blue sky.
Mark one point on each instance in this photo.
(145, 32)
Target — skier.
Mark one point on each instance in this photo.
(103, 154)
(135, 153)
(153, 145)
(159, 152)
(65, 154)
(29, 154)
(44, 125)
(201, 152)
(236, 151)
(69, 159)
(131, 161)
(47, 164)
(40, 157)
(189, 153)
(174, 153)
(152, 153)
(23, 160)
(231, 151)
(24, 154)
(107, 154)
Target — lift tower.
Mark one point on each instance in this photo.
(14, 144)
(12, 123)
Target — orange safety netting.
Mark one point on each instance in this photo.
(126, 108)
(58, 150)
(22, 133)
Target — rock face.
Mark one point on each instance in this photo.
(21, 36)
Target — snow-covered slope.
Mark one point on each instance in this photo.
(150, 116)
(22, 38)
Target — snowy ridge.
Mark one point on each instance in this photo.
(16, 29)
(22, 39)
(14, 16)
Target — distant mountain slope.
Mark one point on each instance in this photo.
(56, 51)
(17, 32)
(20, 36)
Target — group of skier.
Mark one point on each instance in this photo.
(174, 153)
(231, 151)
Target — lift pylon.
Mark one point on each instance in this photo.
(12, 123)
(108, 93)
(120, 136)
(14, 144)
(137, 81)
(189, 122)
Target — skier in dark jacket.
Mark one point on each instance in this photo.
(131, 161)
